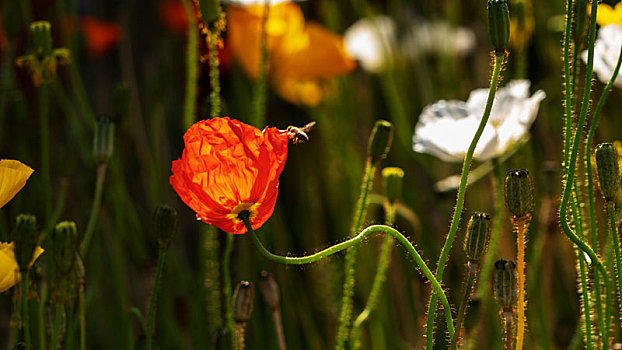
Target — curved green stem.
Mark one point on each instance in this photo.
(611, 211)
(95, 208)
(471, 278)
(381, 273)
(154, 296)
(352, 242)
(350, 260)
(455, 222)
(226, 283)
(192, 65)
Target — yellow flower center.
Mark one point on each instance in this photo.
(250, 207)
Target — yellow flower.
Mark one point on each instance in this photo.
(522, 23)
(13, 176)
(302, 57)
(609, 15)
(9, 271)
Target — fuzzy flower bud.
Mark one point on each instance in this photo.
(380, 140)
(477, 236)
(498, 24)
(243, 296)
(505, 285)
(41, 38)
(269, 290)
(519, 192)
(392, 182)
(608, 170)
(103, 142)
(26, 239)
(165, 222)
(65, 246)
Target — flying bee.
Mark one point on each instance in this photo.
(299, 135)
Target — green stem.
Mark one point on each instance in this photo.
(226, 283)
(350, 260)
(57, 321)
(468, 289)
(82, 318)
(154, 296)
(41, 310)
(568, 91)
(381, 273)
(192, 66)
(95, 208)
(455, 222)
(352, 242)
(259, 100)
(214, 76)
(611, 211)
(45, 155)
(24, 304)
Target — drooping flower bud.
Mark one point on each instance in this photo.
(477, 236)
(519, 192)
(498, 24)
(505, 286)
(41, 38)
(65, 246)
(103, 142)
(608, 170)
(26, 239)
(243, 296)
(392, 183)
(380, 140)
(269, 290)
(165, 222)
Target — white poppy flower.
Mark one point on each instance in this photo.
(372, 42)
(606, 53)
(446, 128)
(438, 37)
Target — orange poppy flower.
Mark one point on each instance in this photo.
(301, 56)
(100, 36)
(227, 167)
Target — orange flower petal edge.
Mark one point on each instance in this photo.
(227, 167)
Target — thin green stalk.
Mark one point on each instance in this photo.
(192, 66)
(611, 211)
(58, 317)
(568, 92)
(154, 296)
(352, 242)
(464, 302)
(95, 208)
(226, 283)
(82, 318)
(45, 155)
(214, 75)
(24, 305)
(455, 222)
(381, 273)
(259, 98)
(350, 260)
(41, 311)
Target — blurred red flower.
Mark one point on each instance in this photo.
(174, 16)
(227, 167)
(100, 36)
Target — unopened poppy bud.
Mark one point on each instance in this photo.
(519, 192)
(65, 246)
(580, 18)
(380, 140)
(498, 24)
(41, 38)
(608, 170)
(103, 142)
(26, 239)
(505, 285)
(477, 236)
(165, 222)
(243, 296)
(269, 290)
(392, 180)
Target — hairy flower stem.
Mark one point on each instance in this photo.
(521, 223)
(192, 65)
(226, 283)
(567, 87)
(239, 330)
(24, 306)
(508, 320)
(154, 296)
(499, 58)
(473, 267)
(613, 231)
(82, 306)
(350, 260)
(381, 273)
(259, 98)
(95, 208)
(350, 243)
(214, 75)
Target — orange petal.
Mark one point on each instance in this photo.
(13, 176)
(9, 270)
(100, 36)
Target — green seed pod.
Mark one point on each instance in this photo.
(477, 236)
(392, 182)
(65, 246)
(26, 239)
(519, 192)
(380, 140)
(269, 290)
(498, 24)
(243, 296)
(608, 170)
(165, 222)
(505, 286)
(103, 142)
(41, 39)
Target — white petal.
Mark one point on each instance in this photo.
(606, 53)
(372, 42)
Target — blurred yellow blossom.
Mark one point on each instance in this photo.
(609, 15)
(13, 176)
(9, 271)
(302, 57)
(522, 23)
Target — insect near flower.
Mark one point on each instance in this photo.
(228, 167)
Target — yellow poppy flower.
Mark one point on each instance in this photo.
(302, 57)
(13, 176)
(9, 271)
(609, 15)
